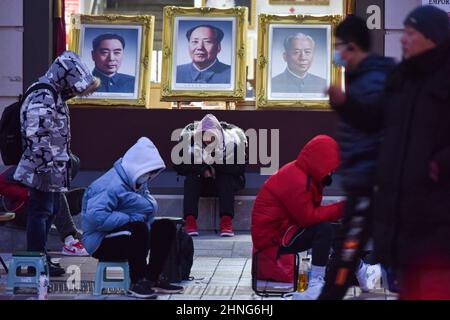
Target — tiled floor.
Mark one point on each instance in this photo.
(215, 278)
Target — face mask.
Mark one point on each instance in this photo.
(143, 179)
(327, 181)
(338, 60)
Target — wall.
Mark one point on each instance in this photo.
(378, 35)
(37, 39)
(101, 136)
(11, 49)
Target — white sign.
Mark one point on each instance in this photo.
(443, 4)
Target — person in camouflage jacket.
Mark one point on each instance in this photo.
(45, 126)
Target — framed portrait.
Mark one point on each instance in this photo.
(118, 50)
(204, 54)
(300, 2)
(295, 64)
(250, 4)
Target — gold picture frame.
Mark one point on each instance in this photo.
(349, 7)
(277, 85)
(251, 10)
(178, 83)
(130, 83)
(301, 2)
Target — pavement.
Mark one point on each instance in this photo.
(221, 271)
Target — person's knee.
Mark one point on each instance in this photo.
(139, 230)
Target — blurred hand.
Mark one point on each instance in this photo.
(337, 97)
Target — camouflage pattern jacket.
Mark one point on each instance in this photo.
(45, 126)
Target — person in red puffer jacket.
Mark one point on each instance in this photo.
(288, 217)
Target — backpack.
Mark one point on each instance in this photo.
(181, 257)
(11, 147)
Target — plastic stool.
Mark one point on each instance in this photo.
(102, 282)
(36, 260)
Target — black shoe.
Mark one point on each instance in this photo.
(163, 286)
(55, 270)
(142, 290)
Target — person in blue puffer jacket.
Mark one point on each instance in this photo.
(117, 216)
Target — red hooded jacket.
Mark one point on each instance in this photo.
(292, 197)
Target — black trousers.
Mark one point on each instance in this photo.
(350, 242)
(133, 244)
(318, 237)
(223, 186)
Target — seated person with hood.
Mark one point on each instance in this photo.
(117, 216)
(288, 217)
(213, 160)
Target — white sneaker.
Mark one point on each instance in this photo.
(7, 216)
(368, 275)
(75, 248)
(313, 292)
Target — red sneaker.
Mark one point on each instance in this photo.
(226, 228)
(191, 226)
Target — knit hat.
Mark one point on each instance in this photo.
(431, 21)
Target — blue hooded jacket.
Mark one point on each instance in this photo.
(115, 199)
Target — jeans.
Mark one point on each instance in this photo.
(42, 209)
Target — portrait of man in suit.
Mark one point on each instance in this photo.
(299, 52)
(108, 51)
(204, 46)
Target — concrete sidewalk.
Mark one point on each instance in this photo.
(221, 271)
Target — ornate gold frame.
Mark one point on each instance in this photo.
(293, 2)
(169, 94)
(349, 7)
(265, 20)
(252, 13)
(147, 22)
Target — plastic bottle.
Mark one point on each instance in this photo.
(43, 287)
(302, 283)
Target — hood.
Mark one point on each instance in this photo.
(209, 124)
(70, 77)
(319, 157)
(141, 158)
(373, 62)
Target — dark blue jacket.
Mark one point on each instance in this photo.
(218, 73)
(117, 83)
(359, 150)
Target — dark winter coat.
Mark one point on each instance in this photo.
(411, 211)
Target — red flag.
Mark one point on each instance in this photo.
(59, 27)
